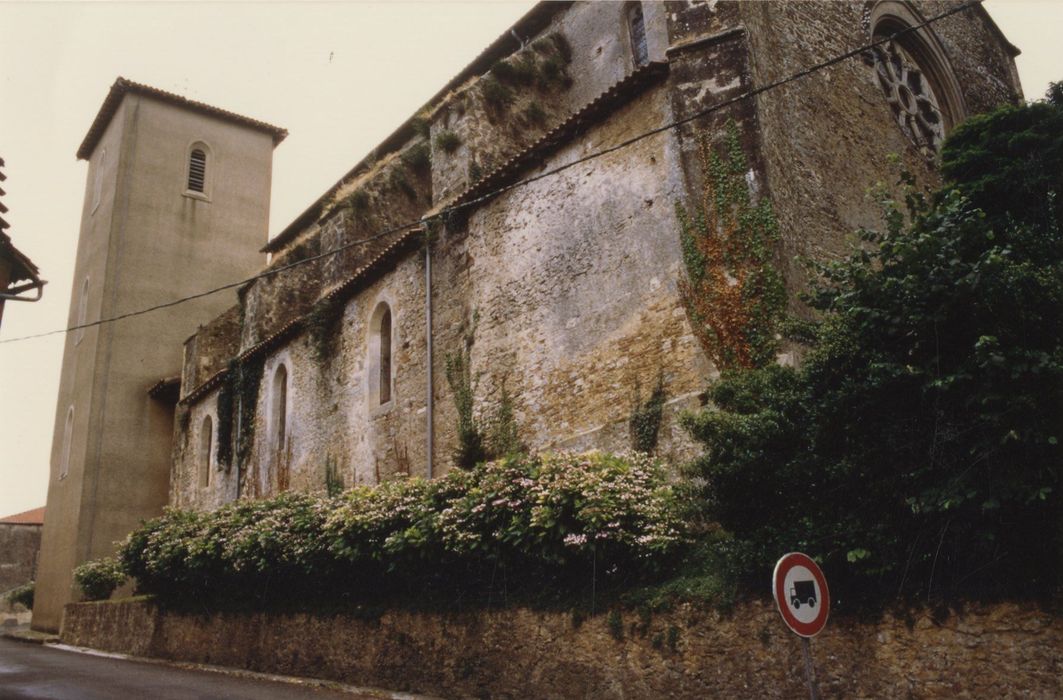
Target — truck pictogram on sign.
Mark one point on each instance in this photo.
(801, 594)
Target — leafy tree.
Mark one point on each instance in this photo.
(916, 451)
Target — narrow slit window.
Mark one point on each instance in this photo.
(83, 305)
(197, 170)
(206, 449)
(280, 409)
(385, 357)
(637, 28)
(68, 436)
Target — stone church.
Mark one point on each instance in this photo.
(490, 226)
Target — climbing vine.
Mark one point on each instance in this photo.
(470, 450)
(321, 327)
(237, 401)
(644, 425)
(245, 385)
(480, 439)
(733, 295)
(225, 420)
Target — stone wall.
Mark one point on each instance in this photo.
(829, 137)
(566, 287)
(20, 546)
(1004, 650)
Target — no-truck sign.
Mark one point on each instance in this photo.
(800, 591)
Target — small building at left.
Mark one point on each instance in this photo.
(20, 547)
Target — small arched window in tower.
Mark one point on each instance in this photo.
(197, 170)
(279, 410)
(206, 449)
(636, 26)
(68, 436)
(385, 357)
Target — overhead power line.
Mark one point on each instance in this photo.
(814, 68)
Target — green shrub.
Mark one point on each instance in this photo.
(916, 451)
(447, 141)
(421, 126)
(470, 449)
(534, 114)
(397, 180)
(551, 521)
(644, 425)
(98, 579)
(357, 201)
(23, 595)
(418, 157)
(497, 96)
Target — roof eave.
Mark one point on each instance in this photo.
(121, 87)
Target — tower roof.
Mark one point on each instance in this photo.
(122, 86)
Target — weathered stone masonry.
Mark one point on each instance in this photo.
(566, 286)
(985, 652)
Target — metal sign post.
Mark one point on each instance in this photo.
(801, 594)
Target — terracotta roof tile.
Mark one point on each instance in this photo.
(29, 517)
(594, 110)
(122, 86)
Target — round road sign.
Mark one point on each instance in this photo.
(800, 591)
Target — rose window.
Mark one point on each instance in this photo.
(910, 96)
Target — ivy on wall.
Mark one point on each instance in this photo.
(733, 295)
(321, 326)
(485, 438)
(644, 425)
(237, 404)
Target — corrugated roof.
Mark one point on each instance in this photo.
(122, 86)
(29, 517)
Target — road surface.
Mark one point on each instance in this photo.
(41, 672)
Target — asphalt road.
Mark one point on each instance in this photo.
(40, 672)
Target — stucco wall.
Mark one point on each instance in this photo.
(1004, 650)
(147, 242)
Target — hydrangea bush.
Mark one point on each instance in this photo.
(519, 524)
(98, 579)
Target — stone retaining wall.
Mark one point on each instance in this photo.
(1005, 650)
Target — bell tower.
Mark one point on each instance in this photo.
(176, 203)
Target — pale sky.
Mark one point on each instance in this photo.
(340, 76)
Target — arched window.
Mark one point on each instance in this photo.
(206, 449)
(636, 27)
(279, 410)
(68, 435)
(385, 357)
(380, 373)
(197, 170)
(83, 305)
